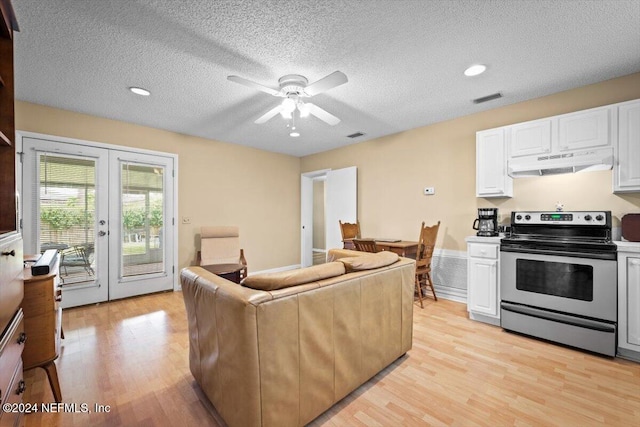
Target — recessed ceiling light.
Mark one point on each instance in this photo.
(294, 134)
(474, 70)
(140, 91)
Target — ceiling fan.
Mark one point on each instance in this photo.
(293, 88)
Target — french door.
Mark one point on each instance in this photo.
(108, 212)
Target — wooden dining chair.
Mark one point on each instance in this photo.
(426, 245)
(366, 245)
(349, 232)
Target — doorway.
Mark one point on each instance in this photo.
(340, 203)
(109, 213)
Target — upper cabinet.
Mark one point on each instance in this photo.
(588, 140)
(491, 164)
(626, 169)
(530, 138)
(585, 129)
(7, 124)
(561, 134)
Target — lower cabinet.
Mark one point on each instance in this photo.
(483, 291)
(629, 303)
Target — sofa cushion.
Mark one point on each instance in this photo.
(285, 279)
(369, 261)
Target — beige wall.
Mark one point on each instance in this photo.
(219, 183)
(393, 170)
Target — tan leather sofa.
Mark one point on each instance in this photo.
(283, 356)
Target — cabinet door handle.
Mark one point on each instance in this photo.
(22, 338)
(21, 387)
(12, 253)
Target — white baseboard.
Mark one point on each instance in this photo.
(453, 294)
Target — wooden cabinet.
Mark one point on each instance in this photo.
(43, 324)
(492, 179)
(530, 138)
(7, 122)
(11, 324)
(11, 381)
(483, 292)
(629, 300)
(626, 169)
(12, 336)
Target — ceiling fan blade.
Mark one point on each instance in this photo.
(253, 85)
(269, 114)
(326, 117)
(334, 79)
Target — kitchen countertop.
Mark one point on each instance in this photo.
(628, 246)
(480, 239)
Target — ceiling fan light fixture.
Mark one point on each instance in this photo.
(288, 105)
(304, 109)
(474, 70)
(286, 114)
(294, 134)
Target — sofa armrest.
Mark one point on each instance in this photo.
(223, 337)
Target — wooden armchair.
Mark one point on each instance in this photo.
(221, 246)
(426, 245)
(349, 232)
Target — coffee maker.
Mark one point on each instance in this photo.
(487, 222)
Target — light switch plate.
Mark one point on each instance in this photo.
(428, 191)
(186, 220)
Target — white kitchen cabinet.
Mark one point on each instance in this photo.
(626, 169)
(530, 138)
(492, 179)
(584, 129)
(483, 291)
(629, 300)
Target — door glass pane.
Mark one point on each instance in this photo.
(142, 195)
(67, 214)
(561, 279)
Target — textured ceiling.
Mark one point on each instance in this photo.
(404, 60)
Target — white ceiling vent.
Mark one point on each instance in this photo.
(355, 135)
(487, 98)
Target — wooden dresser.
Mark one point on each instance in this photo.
(43, 324)
(12, 335)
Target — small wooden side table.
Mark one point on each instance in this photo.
(228, 271)
(43, 324)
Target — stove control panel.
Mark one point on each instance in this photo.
(560, 218)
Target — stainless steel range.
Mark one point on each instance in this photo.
(559, 278)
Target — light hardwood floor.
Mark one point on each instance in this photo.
(133, 356)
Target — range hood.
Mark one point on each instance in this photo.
(553, 164)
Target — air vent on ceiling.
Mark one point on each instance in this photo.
(355, 135)
(487, 98)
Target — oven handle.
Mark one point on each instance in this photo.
(601, 255)
(558, 317)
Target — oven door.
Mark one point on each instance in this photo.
(579, 286)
